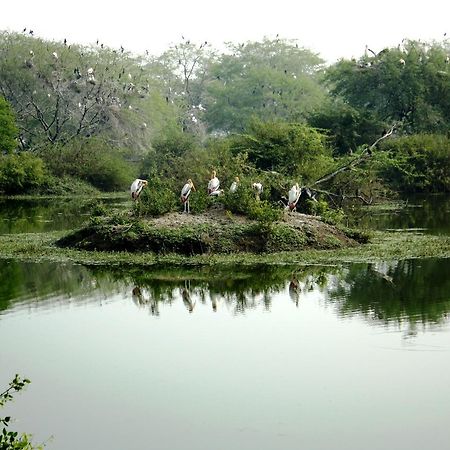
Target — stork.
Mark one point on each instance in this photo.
(136, 188)
(234, 185)
(213, 184)
(293, 197)
(185, 193)
(258, 188)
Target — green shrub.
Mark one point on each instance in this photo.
(8, 128)
(156, 199)
(244, 202)
(418, 163)
(92, 160)
(20, 173)
(321, 208)
(200, 201)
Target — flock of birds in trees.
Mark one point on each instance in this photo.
(214, 190)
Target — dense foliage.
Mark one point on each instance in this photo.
(268, 111)
(8, 128)
(419, 163)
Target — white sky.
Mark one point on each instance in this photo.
(331, 28)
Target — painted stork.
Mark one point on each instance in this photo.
(234, 185)
(258, 188)
(136, 188)
(185, 193)
(213, 184)
(293, 197)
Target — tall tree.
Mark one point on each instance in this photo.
(8, 128)
(61, 92)
(273, 80)
(410, 83)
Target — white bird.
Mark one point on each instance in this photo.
(258, 188)
(234, 185)
(55, 55)
(213, 184)
(293, 197)
(185, 193)
(136, 188)
(402, 61)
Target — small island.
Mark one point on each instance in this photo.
(214, 231)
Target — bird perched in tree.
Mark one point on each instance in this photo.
(234, 185)
(185, 193)
(258, 188)
(213, 184)
(293, 197)
(136, 188)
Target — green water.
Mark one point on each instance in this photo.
(345, 356)
(47, 214)
(426, 213)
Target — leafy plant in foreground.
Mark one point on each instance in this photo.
(10, 440)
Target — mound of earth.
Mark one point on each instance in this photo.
(214, 231)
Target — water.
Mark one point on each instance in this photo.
(46, 214)
(318, 357)
(425, 213)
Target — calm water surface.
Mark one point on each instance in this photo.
(317, 357)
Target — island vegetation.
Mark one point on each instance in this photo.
(79, 120)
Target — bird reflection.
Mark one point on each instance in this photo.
(294, 290)
(214, 301)
(186, 296)
(140, 300)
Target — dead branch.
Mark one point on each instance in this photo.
(355, 161)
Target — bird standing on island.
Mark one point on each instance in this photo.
(213, 184)
(234, 185)
(258, 188)
(185, 193)
(136, 188)
(293, 197)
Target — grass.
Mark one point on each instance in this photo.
(382, 246)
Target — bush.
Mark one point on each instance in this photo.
(21, 173)
(418, 163)
(327, 214)
(92, 160)
(8, 128)
(156, 199)
(200, 201)
(244, 202)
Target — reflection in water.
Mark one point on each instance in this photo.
(412, 292)
(43, 214)
(408, 292)
(427, 213)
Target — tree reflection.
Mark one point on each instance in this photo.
(412, 292)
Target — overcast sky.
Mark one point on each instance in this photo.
(334, 29)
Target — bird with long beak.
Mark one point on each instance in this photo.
(293, 197)
(136, 188)
(213, 184)
(234, 185)
(258, 188)
(185, 193)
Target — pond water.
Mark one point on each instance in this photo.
(424, 213)
(348, 356)
(47, 214)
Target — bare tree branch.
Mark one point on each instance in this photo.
(355, 161)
